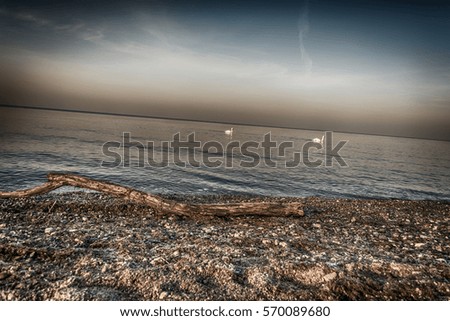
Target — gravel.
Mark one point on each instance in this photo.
(88, 246)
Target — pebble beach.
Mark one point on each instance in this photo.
(89, 246)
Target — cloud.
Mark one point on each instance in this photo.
(303, 29)
(146, 61)
(77, 28)
(32, 18)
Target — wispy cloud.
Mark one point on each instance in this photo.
(165, 55)
(32, 18)
(303, 29)
(77, 28)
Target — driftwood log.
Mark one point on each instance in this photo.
(160, 204)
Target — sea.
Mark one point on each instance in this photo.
(142, 153)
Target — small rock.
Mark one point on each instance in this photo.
(419, 244)
(4, 275)
(163, 295)
(49, 230)
(176, 253)
(156, 261)
(316, 225)
(283, 244)
(330, 276)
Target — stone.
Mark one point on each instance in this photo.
(49, 230)
(329, 277)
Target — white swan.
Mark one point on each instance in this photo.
(229, 131)
(318, 140)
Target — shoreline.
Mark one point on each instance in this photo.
(89, 246)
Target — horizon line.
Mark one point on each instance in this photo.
(81, 111)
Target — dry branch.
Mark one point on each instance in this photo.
(160, 204)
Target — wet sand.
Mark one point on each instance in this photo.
(87, 246)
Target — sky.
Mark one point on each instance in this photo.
(380, 67)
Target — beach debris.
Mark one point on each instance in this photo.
(51, 207)
(159, 204)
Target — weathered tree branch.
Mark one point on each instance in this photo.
(160, 204)
(41, 189)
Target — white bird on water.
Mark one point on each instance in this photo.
(319, 140)
(229, 132)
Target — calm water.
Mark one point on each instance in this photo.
(35, 142)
